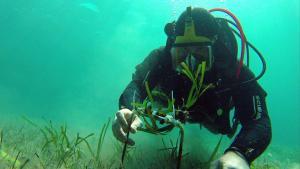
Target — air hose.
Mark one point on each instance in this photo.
(264, 66)
(243, 38)
(246, 44)
(255, 50)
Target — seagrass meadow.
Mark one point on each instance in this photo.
(64, 64)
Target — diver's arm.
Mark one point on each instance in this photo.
(133, 92)
(146, 71)
(125, 119)
(251, 110)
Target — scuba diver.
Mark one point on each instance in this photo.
(199, 38)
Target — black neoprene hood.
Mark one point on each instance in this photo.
(205, 23)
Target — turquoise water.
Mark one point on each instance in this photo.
(69, 61)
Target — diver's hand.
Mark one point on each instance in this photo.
(230, 160)
(120, 125)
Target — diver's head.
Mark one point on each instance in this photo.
(195, 33)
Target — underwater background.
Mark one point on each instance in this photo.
(68, 61)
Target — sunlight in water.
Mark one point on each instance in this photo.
(90, 6)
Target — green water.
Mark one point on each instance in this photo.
(69, 60)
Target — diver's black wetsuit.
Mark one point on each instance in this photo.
(213, 108)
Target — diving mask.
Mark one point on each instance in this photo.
(192, 56)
